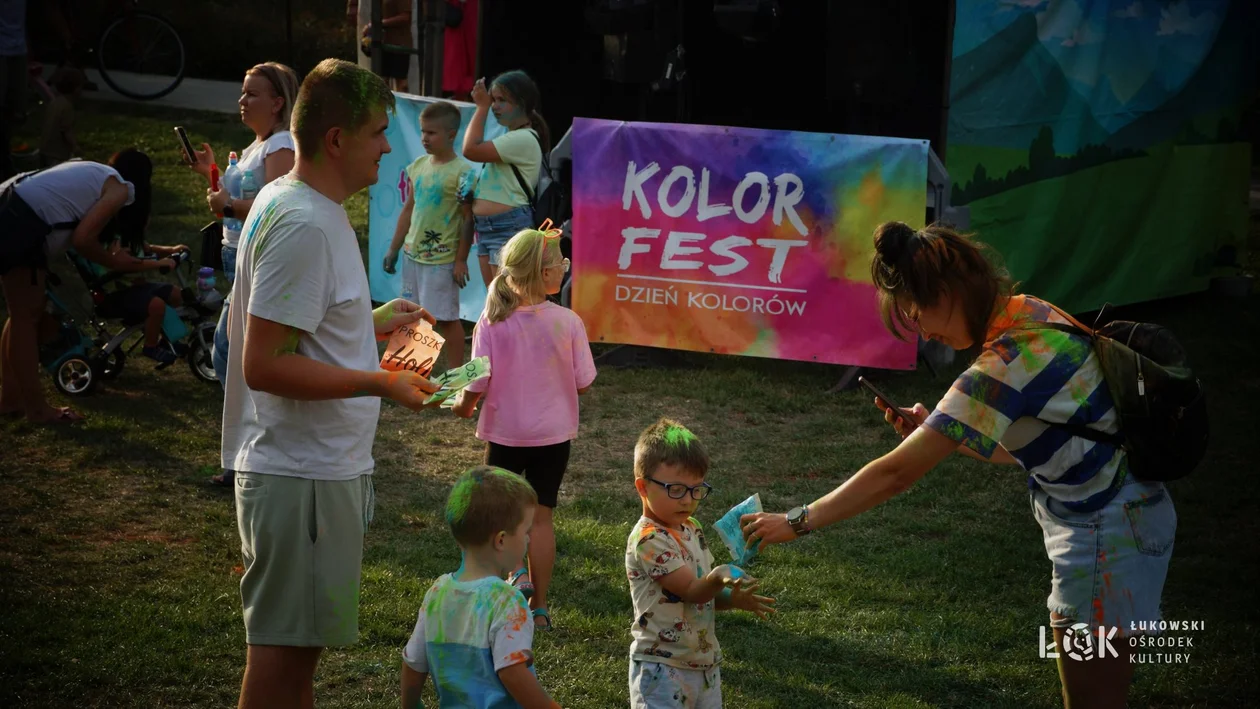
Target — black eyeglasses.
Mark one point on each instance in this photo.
(677, 491)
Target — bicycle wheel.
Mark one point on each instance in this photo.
(141, 56)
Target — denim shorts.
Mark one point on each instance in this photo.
(494, 231)
(219, 354)
(1109, 565)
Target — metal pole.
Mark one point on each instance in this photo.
(434, 46)
(378, 38)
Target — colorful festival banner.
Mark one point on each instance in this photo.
(389, 194)
(738, 241)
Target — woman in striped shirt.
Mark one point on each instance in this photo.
(1108, 534)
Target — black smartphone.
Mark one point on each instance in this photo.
(884, 397)
(187, 146)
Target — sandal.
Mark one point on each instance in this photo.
(542, 612)
(526, 587)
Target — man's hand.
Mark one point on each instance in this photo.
(391, 260)
(409, 389)
(460, 273)
(743, 598)
(396, 313)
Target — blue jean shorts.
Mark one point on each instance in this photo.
(494, 231)
(1109, 565)
(219, 355)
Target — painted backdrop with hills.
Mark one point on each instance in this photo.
(1099, 144)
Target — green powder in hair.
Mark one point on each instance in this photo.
(460, 499)
(678, 436)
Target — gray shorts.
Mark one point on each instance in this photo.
(434, 287)
(303, 546)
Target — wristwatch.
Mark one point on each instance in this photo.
(228, 211)
(798, 517)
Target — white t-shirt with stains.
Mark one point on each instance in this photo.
(665, 629)
(299, 265)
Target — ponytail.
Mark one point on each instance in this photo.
(501, 298)
(539, 124)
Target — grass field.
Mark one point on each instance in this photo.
(121, 566)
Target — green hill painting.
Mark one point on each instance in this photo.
(1098, 144)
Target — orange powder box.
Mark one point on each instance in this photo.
(413, 348)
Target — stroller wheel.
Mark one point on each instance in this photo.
(110, 365)
(75, 377)
(201, 352)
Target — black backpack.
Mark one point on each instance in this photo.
(1160, 403)
(547, 204)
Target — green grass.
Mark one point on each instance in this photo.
(120, 565)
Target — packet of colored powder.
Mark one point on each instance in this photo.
(732, 535)
(453, 381)
(413, 348)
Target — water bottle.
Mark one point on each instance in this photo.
(232, 183)
(249, 185)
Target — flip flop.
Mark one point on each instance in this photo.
(525, 587)
(536, 613)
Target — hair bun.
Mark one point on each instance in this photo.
(892, 239)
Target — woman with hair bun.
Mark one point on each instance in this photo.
(1108, 534)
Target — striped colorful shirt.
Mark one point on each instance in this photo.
(1024, 380)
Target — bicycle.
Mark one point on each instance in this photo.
(138, 53)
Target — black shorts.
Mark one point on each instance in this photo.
(542, 466)
(132, 303)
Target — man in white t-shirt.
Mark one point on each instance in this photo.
(303, 392)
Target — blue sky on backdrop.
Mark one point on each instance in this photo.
(1115, 53)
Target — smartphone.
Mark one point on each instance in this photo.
(884, 397)
(187, 146)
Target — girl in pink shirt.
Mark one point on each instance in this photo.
(540, 361)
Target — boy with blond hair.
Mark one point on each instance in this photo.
(434, 230)
(474, 634)
(674, 654)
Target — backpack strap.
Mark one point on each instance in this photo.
(1076, 429)
(542, 164)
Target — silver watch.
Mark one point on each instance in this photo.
(798, 517)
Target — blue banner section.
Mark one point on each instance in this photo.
(389, 194)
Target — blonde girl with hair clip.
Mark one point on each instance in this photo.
(540, 362)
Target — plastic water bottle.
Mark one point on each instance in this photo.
(232, 183)
(249, 184)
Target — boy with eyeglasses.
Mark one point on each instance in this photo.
(674, 654)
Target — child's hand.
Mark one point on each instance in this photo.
(391, 260)
(480, 95)
(459, 273)
(743, 598)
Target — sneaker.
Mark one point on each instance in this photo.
(161, 355)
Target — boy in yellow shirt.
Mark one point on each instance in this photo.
(434, 230)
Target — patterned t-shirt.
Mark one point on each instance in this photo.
(665, 629)
(466, 632)
(1024, 379)
(438, 216)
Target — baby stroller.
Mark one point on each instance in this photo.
(78, 360)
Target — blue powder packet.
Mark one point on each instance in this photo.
(732, 536)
